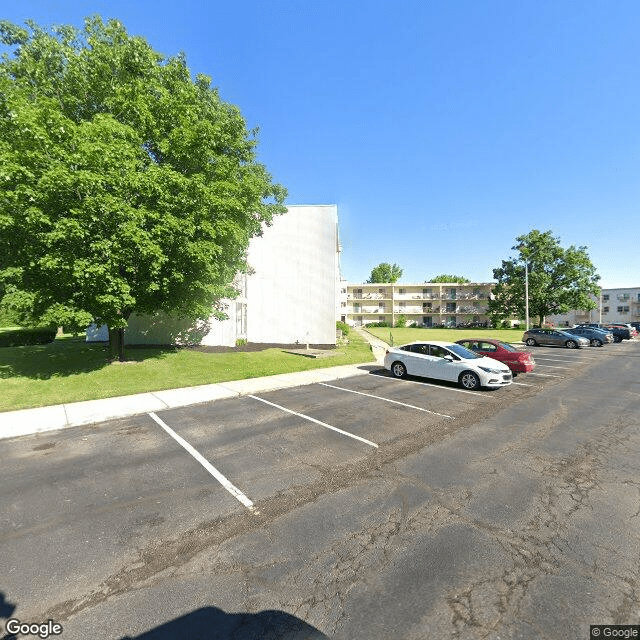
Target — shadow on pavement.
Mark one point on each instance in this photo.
(6, 611)
(211, 623)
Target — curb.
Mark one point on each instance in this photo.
(24, 422)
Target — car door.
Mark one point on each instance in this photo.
(546, 337)
(440, 367)
(491, 350)
(420, 360)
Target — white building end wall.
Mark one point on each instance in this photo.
(291, 297)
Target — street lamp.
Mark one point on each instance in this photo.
(526, 295)
(526, 287)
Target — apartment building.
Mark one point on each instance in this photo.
(290, 296)
(613, 305)
(428, 304)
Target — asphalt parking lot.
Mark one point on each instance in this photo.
(90, 515)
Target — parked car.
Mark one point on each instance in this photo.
(517, 361)
(447, 361)
(636, 325)
(553, 337)
(596, 337)
(620, 332)
(626, 325)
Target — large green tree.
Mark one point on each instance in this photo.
(385, 272)
(559, 279)
(127, 185)
(449, 278)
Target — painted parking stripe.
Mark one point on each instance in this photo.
(550, 366)
(404, 404)
(233, 490)
(578, 356)
(437, 386)
(323, 424)
(547, 375)
(522, 384)
(538, 358)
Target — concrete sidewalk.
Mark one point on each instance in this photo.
(73, 414)
(41, 419)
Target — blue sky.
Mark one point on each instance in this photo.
(442, 129)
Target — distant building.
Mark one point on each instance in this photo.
(291, 296)
(426, 304)
(613, 305)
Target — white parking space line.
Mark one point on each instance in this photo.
(547, 375)
(522, 384)
(233, 490)
(323, 424)
(428, 384)
(404, 404)
(563, 355)
(556, 359)
(550, 366)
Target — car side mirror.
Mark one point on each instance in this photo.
(448, 358)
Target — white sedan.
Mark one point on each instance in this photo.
(446, 361)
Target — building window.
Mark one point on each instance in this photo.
(380, 318)
(623, 309)
(401, 291)
(605, 297)
(241, 319)
(623, 297)
(605, 309)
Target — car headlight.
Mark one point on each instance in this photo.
(490, 370)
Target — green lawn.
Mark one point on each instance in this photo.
(69, 369)
(409, 334)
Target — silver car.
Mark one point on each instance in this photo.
(596, 337)
(554, 337)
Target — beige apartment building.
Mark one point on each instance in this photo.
(427, 304)
(613, 305)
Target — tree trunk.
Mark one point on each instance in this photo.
(116, 344)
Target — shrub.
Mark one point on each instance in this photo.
(240, 342)
(377, 324)
(344, 327)
(22, 337)
(401, 321)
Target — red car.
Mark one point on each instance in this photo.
(517, 361)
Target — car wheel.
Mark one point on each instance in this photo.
(617, 339)
(398, 370)
(531, 342)
(596, 343)
(570, 344)
(469, 380)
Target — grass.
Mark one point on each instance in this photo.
(70, 370)
(410, 334)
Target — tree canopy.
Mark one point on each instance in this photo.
(385, 272)
(127, 184)
(447, 278)
(559, 279)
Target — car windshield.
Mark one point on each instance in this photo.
(463, 352)
(507, 346)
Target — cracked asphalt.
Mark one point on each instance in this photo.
(517, 516)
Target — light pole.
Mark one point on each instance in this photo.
(526, 294)
(526, 286)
